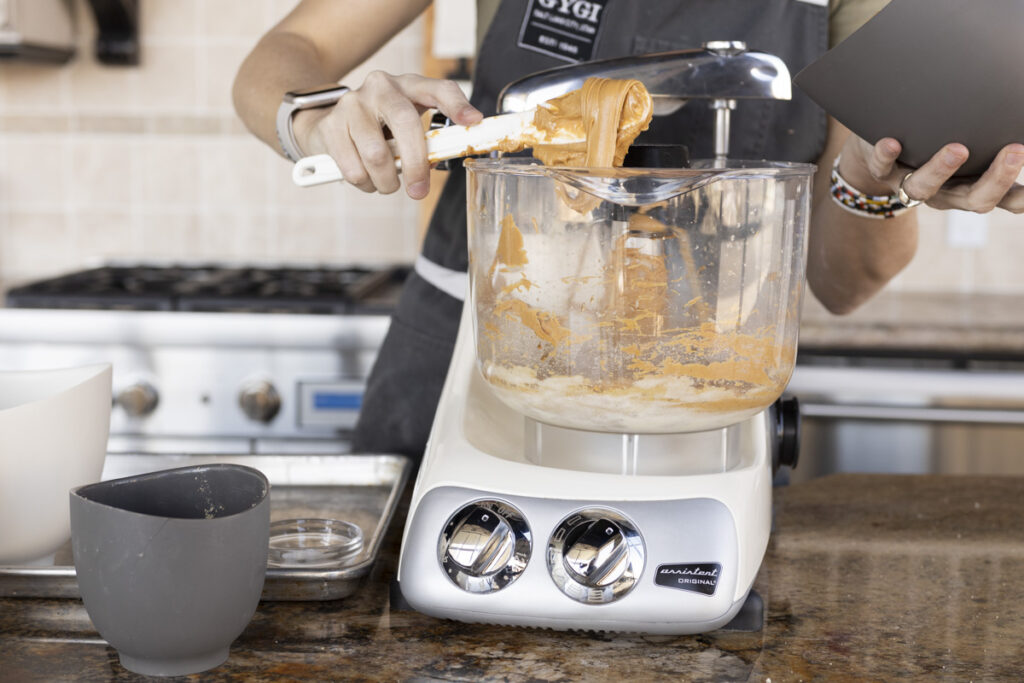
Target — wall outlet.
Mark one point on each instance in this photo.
(966, 229)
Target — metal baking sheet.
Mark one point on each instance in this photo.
(363, 489)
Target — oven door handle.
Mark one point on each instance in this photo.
(901, 387)
(920, 395)
(891, 413)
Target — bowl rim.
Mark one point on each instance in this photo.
(80, 375)
(740, 168)
(82, 492)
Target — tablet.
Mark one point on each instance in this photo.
(929, 72)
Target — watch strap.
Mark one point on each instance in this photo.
(297, 101)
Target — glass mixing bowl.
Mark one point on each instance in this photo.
(637, 300)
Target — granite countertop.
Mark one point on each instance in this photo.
(867, 577)
(980, 325)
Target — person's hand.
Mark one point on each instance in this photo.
(352, 131)
(873, 169)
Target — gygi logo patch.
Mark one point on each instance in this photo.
(566, 29)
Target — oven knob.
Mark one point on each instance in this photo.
(595, 556)
(259, 401)
(485, 546)
(138, 399)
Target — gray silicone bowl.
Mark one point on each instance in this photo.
(171, 564)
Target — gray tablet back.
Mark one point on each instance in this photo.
(929, 72)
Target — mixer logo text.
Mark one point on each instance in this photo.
(566, 29)
(697, 578)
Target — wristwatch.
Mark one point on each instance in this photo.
(311, 98)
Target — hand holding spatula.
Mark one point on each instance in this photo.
(507, 133)
(592, 126)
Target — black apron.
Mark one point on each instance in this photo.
(405, 384)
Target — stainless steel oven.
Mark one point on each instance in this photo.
(213, 359)
(905, 413)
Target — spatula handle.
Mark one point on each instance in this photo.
(508, 131)
(316, 170)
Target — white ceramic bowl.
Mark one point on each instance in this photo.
(54, 426)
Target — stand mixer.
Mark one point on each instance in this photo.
(602, 452)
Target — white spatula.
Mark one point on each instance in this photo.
(507, 132)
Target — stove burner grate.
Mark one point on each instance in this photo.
(218, 289)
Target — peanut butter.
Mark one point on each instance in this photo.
(609, 113)
(510, 245)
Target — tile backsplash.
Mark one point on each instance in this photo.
(150, 163)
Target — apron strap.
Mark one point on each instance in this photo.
(454, 283)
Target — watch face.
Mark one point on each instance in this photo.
(330, 87)
(319, 96)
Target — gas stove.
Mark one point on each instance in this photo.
(209, 358)
(218, 289)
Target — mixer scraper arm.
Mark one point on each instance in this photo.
(720, 72)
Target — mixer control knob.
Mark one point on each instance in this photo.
(138, 399)
(485, 546)
(596, 553)
(595, 556)
(259, 401)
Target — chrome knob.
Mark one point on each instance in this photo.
(259, 401)
(138, 399)
(596, 553)
(595, 556)
(485, 546)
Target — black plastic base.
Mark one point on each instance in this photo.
(750, 617)
(396, 599)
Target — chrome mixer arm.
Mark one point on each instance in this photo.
(720, 71)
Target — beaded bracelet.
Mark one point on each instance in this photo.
(855, 201)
